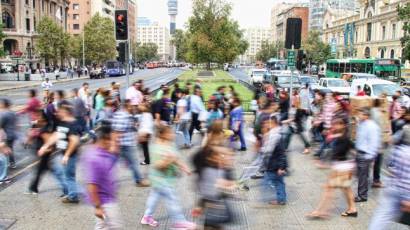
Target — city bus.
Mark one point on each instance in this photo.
(387, 69)
(114, 68)
(276, 64)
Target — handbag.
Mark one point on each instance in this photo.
(217, 212)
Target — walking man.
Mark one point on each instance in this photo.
(367, 146)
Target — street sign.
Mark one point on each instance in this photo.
(291, 58)
(333, 46)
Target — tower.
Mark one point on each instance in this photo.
(172, 12)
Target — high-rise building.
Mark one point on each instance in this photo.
(172, 12)
(255, 37)
(143, 21)
(318, 9)
(81, 11)
(20, 18)
(276, 10)
(157, 34)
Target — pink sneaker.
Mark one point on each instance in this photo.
(148, 220)
(183, 225)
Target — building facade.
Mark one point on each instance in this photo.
(157, 34)
(294, 11)
(277, 9)
(20, 18)
(373, 32)
(255, 37)
(318, 8)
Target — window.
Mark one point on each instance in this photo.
(367, 90)
(27, 2)
(382, 53)
(35, 23)
(7, 20)
(369, 32)
(383, 32)
(76, 6)
(356, 36)
(76, 16)
(392, 54)
(28, 24)
(76, 26)
(5, 1)
(34, 4)
(393, 36)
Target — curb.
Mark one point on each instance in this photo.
(39, 83)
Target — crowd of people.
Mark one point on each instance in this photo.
(98, 130)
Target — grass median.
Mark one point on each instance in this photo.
(211, 83)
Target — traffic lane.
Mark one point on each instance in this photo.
(19, 96)
(240, 74)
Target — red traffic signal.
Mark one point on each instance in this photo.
(121, 25)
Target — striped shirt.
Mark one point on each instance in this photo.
(400, 170)
(125, 123)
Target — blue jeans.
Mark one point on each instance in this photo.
(241, 136)
(184, 128)
(127, 152)
(388, 210)
(272, 179)
(69, 173)
(172, 203)
(3, 166)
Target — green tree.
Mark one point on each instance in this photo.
(213, 35)
(100, 44)
(404, 15)
(269, 50)
(180, 41)
(75, 45)
(145, 52)
(51, 41)
(317, 52)
(2, 37)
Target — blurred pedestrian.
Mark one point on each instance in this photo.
(183, 117)
(48, 161)
(341, 173)
(80, 111)
(145, 131)
(99, 162)
(134, 94)
(214, 112)
(8, 124)
(197, 107)
(33, 105)
(125, 130)
(46, 86)
(162, 108)
(67, 141)
(237, 123)
(166, 164)
(175, 98)
(394, 203)
(376, 115)
(368, 140)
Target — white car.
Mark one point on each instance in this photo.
(336, 85)
(375, 87)
(257, 76)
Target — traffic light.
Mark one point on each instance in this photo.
(121, 25)
(293, 33)
(121, 52)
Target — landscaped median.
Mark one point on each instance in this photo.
(210, 84)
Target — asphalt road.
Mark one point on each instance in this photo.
(240, 74)
(25, 158)
(152, 79)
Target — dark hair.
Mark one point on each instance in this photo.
(6, 102)
(85, 83)
(75, 91)
(166, 91)
(60, 93)
(113, 83)
(176, 85)
(104, 130)
(221, 87)
(377, 103)
(67, 106)
(33, 92)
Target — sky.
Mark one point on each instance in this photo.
(249, 13)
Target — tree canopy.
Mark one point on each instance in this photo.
(317, 52)
(269, 50)
(404, 15)
(2, 37)
(52, 42)
(213, 35)
(180, 41)
(145, 52)
(100, 44)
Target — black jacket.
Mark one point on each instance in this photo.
(277, 160)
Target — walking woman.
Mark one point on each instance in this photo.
(340, 175)
(145, 131)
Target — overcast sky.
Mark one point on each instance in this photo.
(249, 13)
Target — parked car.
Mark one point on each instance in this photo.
(375, 87)
(335, 85)
(284, 82)
(97, 73)
(308, 79)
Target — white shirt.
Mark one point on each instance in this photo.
(197, 105)
(134, 95)
(83, 95)
(146, 124)
(182, 106)
(46, 85)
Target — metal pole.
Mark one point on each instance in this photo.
(127, 55)
(83, 49)
(291, 81)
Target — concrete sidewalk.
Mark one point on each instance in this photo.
(45, 211)
(11, 85)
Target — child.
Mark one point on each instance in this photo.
(163, 175)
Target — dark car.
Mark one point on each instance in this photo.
(283, 82)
